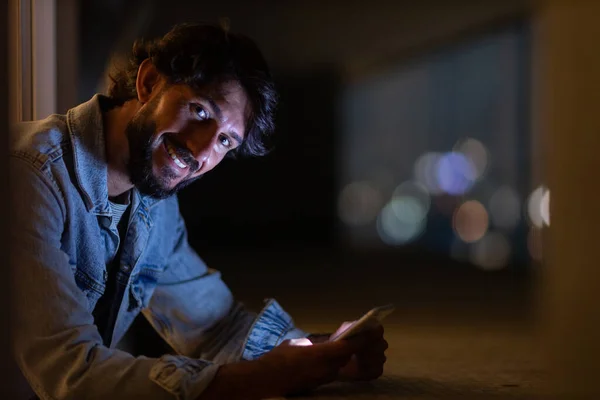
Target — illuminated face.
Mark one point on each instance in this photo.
(180, 134)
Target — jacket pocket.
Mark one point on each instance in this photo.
(92, 289)
(143, 285)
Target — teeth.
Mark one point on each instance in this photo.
(179, 163)
(173, 155)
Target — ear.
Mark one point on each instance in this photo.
(147, 81)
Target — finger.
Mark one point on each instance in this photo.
(375, 331)
(344, 348)
(372, 368)
(373, 353)
(369, 374)
(358, 342)
(371, 358)
(374, 347)
(378, 346)
(374, 372)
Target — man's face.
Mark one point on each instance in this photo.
(179, 135)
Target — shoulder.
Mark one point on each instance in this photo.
(166, 212)
(40, 142)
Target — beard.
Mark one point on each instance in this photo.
(140, 133)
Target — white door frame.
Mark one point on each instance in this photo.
(33, 59)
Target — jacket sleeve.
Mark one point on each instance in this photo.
(196, 314)
(55, 342)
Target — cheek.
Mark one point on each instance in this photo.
(217, 158)
(171, 119)
(214, 161)
(158, 159)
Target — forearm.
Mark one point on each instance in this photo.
(218, 337)
(107, 374)
(60, 351)
(245, 380)
(66, 360)
(194, 311)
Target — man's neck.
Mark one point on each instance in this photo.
(123, 198)
(117, 147)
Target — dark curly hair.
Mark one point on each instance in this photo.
(198, 55)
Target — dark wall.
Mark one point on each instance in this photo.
(286, 198)
(315, 48)
(7, 367)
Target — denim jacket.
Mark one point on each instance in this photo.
(63, 238)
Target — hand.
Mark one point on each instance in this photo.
(367, 363)
(295, 369)
(285, 370)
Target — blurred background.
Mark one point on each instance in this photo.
(398, 131)
(402, 128)
(407, 169)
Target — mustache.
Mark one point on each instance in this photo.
(184, 154)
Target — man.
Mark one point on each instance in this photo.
(98, 238)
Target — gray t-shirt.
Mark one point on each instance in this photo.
(107, 308)
(117, 212)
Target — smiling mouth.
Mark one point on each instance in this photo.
(173, 154)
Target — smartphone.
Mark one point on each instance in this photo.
(371, 318)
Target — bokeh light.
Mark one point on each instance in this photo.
(545, 207)
(359, 203)
(476, 152)
(535, 206)
(402, 220)
(425, 172)
(492, 252)
(470, 221)
(505, 208)
(534, 243)
(455, 173)
(414, 190)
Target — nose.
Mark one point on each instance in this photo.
(201, 143)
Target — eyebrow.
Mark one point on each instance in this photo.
(219, 114)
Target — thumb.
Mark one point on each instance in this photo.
(356, 342)
(343, 347)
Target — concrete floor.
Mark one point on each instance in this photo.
(451, 362)
(457, 333)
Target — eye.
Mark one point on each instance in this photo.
(200, 112)
(225, 141)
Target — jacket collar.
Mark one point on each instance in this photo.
(86, 131)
